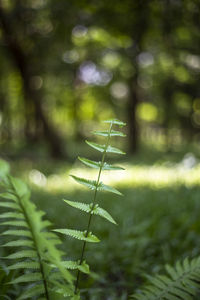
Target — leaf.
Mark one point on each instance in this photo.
(72, 265)
(103, 148)
(19, 223)
(97, 164)
(24, 265)
(96, 211)
(109, 133)
(19, 187)
(111, 167)
(84, 268)
(114, 150)
(90, 163)
(25, 233)
(8, 196)
(80, 235)
(107, 188)
(79, 205)
(65, 292)
(96, 146)
(29, 277)
(91, 184)
(104, 214)
(13, 215)
(115, 121)
(22, 254)
(10, 205)
(19, 243)
(32, 291)
(4, 168)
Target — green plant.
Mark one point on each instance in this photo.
(182, 283)
(95, 185)
(44, 270)
(38, 256)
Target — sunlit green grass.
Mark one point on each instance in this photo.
(156, 176)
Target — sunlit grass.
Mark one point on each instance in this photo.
(156, 176)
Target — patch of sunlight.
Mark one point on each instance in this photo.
(156, 176)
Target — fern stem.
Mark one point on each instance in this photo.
(93, 205)
(34, 241)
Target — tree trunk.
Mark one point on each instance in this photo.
(31, 97)
(131, 113)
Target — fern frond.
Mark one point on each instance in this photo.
(42, 247)
(182, 282)
(103, 148)
(80, 235)
(95, 185)
(109, 133)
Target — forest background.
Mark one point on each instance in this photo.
(67, 65)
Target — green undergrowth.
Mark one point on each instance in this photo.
(158, 224)
(156, 227)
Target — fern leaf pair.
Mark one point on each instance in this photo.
(94, 185)
(95, 211)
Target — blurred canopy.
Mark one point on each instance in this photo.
(64, 65)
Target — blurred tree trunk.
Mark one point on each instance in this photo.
(6, 131)
(131, 113)
(32, 96)
(139, 31)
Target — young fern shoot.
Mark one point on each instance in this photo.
(95, 185)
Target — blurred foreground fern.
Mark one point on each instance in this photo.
(38, 256)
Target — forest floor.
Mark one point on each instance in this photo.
(157, 216)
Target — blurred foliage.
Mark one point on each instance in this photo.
(67, 65)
